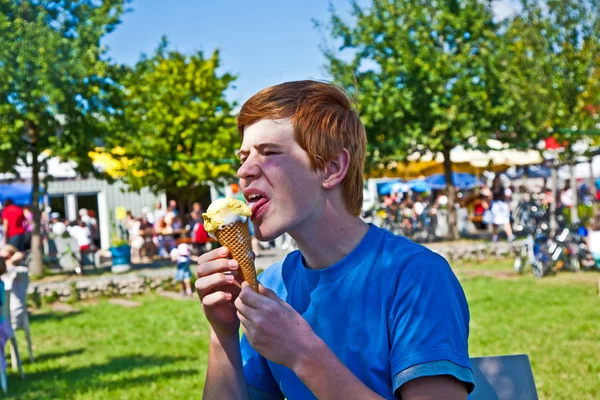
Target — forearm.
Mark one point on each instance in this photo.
(225, 374)
(328, 378)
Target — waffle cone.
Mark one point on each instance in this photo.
(237, 238)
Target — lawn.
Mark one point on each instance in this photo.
(159, 349)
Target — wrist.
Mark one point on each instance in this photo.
(223, 338)
(308, 359)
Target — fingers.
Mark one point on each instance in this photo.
(268, 293)
(214, 266)
(244, 324)
(208, 283)
(248, 313)
(216, 298)
(252, 299)
(221, 252)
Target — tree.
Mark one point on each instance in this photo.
(181, 132)
(553, 49)
(424, 74)
(57, 94)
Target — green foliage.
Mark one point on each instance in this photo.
(551, 71)
(422, 73)
(51, 298)
(74, 297)
(57, 91)
(180, 126)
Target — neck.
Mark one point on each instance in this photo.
(329, 237)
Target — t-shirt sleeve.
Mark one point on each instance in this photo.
(257, 372)
(429, 318)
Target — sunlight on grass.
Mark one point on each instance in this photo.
(159, 350)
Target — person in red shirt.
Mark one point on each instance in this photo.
(13, 225)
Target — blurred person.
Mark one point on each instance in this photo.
(177, 224)
(441, 200)
(197, 206)
(318, 328)
(166, 241)
(129, 223)
(173, 207)
(94, 228)
(181, 255)
(194, 216)
(566, 196)
(11, 256)
(28, 225)
(81, 233)
(83, 215)
(159, 215)
(500, 211)
(201, 238)
(13, 221)
(57, 226)
(170, 215)
(147, 214)
(419, 205)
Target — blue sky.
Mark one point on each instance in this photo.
(264, 42)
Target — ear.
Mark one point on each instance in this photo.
(336, 170)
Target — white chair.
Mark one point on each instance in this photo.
(14, 349)
(503, 378)
(17, 281)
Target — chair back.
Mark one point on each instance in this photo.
(503, 378)
(18, 297)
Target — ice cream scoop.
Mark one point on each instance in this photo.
(227, 221)
(224, 212)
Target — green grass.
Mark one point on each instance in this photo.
(156, 351)
(159, 350)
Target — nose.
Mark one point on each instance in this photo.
(249, 169)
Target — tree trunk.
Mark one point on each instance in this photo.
(574, 209)
(554, 179)
(452, 227)
(36, 266)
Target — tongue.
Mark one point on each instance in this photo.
(257, 204)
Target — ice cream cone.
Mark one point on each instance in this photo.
(236, 237)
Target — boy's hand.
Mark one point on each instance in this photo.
(273, 327)
(218, 285)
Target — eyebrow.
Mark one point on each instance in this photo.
(260, 147)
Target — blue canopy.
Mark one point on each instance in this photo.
(461, 181)
(388, 187)
(20, 193)
(419, 185)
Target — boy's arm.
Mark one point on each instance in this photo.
(276, 331)
(225, 374)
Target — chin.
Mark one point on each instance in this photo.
(265, 237)
(265, 233)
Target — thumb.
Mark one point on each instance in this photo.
(268, 292)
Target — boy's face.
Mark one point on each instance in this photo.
(278, 170)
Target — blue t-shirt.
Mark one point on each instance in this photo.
(391, 311)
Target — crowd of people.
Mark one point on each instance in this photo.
(155, 233)
(495, 207)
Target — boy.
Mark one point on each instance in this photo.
(181, 255)
(356, 312)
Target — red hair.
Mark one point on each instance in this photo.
(324, 121)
